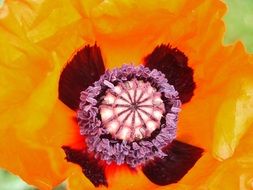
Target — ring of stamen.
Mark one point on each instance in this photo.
(120, 87)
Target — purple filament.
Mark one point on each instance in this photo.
(98, 138)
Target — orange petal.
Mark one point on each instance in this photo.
(119, 177)
(237, 171)
(234, 117)
(21, 122)
(34, 125)
(32, 150)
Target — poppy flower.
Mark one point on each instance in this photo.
(216, 115)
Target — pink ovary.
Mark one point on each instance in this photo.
(132, 110)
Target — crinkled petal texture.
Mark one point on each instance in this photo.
(34, 123)
(38, 40)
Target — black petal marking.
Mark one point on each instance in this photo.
(84, 69)
(90, 166)
(173, 63)
(181, 158)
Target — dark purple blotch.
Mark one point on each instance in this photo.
(83, 70)
(173, 63)
(181, 157)
(91, 167)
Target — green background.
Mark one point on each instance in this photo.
(239, 23)
(239, 26)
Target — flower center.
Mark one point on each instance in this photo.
(131, 110)
(129, 121)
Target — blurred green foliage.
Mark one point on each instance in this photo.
(9, 181)
(12, 182)
(239, 23)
